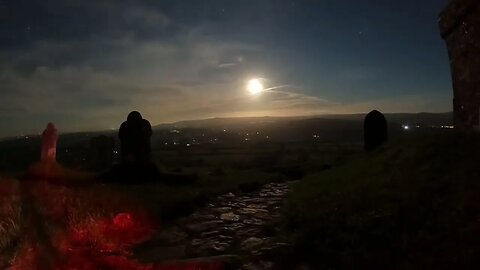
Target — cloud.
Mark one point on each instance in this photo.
(107, 17)
(269, 102)
(408, 103)
(101, 78)
(227, 65)
(86, 64)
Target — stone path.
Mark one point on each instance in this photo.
(243, 226)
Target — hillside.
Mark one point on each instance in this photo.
(219, 122)
(413, 205)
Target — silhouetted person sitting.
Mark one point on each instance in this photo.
(136, 166)
(134, 137)
(375, 130)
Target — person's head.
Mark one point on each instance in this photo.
(134, 116)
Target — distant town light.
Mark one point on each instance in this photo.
(406, 127)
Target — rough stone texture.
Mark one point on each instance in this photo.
(460, 28)
(238, 225)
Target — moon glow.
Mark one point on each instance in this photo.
(255, 87)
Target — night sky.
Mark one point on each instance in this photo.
(85, 64)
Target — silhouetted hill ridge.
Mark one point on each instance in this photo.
(422, 118)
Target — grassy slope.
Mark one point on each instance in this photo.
(415, 205)
(66, 207)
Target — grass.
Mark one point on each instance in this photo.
(49, 210)
(412, 205)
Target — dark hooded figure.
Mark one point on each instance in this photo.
(375, 130)
(134, 137)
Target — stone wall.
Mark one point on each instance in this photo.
(460, 28)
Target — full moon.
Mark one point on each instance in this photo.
(255, 87)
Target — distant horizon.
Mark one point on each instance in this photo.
(209, 118)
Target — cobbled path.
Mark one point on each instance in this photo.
(243, 226)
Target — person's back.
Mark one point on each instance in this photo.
(146, 135)
(135, 136)
(136, 166)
